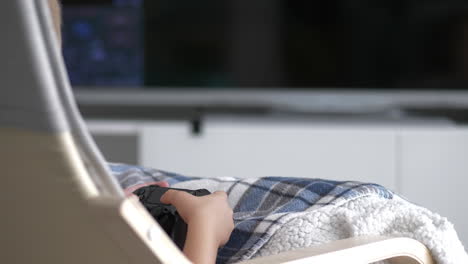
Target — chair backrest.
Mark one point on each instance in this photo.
(59, 202)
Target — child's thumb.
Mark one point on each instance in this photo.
(175, 197)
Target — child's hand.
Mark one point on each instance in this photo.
(210, 213)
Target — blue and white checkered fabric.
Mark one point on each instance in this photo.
(261, 205)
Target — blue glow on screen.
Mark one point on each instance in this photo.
(103, 44)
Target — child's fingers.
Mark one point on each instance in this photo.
(222, 194)
(164, 184)
(176, 198)
(167, 197)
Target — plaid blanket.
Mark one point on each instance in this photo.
(261, 205)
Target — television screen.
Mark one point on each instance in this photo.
(212, 44)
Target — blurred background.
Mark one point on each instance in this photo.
(373, 91)
(267, 44)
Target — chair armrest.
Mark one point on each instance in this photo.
(365, 249)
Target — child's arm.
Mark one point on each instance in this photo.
(209, 220)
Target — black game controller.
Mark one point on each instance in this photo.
(166, 215)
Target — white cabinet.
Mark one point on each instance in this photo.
(272, 149)
(118, 141)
